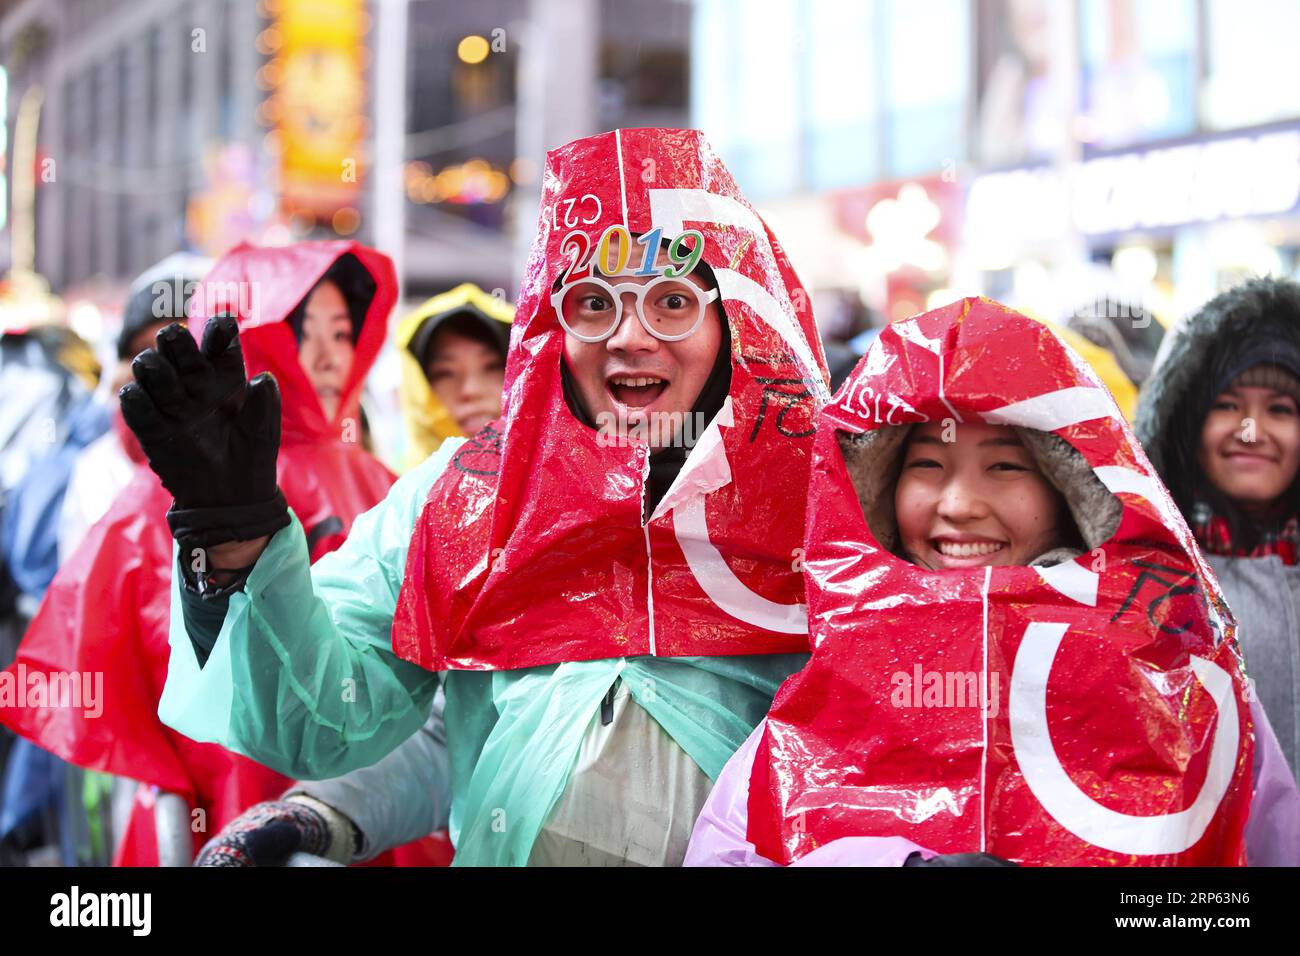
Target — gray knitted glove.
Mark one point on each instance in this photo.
(269, 833)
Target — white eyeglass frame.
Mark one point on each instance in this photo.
(640, 291)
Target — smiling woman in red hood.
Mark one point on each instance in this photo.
(107, 608)
(1081, 702)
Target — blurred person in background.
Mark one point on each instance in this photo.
(1130, 333)
(1220, 419)
(158, 297)
(47, 376)
(58, 499)
(453, 364)
(842, 320)
(313, 314)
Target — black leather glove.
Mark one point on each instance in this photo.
(958, 860)
(210, 435)
(267, 834)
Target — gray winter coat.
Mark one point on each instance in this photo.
(1264, 595)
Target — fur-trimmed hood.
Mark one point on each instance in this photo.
(1265, 306)
(874, 459)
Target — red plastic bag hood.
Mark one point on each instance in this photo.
(532, 548)
(262, 286)
(1106, 720)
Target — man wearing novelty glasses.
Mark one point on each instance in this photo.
(646, 354)
(638, 347)
(659, 361)
(596, 679)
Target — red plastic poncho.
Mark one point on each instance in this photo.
(106, 612)
(1115, 729)
(532, 549)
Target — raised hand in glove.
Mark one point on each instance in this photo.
(210, 435)
(267, 834)
(958, 860)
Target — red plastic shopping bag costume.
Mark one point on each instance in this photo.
(1115, 729)
(532, 548)
(105, 616)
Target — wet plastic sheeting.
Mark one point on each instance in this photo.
(1116, 728)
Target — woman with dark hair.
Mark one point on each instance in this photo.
(327, 324)
(1220, 419)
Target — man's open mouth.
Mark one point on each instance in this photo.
(636, 391)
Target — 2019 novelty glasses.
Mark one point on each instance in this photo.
(669, 306)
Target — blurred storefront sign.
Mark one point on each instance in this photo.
(1134, 79)
(854, 206)
(233, 207)
(317, 105)
(908, 229)
(470, 183)
(906, 222)
(890, 243)
(1151, 189)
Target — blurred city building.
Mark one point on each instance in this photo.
(1116, 157)
(1068, 156)
(170, 124)
(148, 136)
(492, 86)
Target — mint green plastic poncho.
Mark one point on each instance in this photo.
(303, 678)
